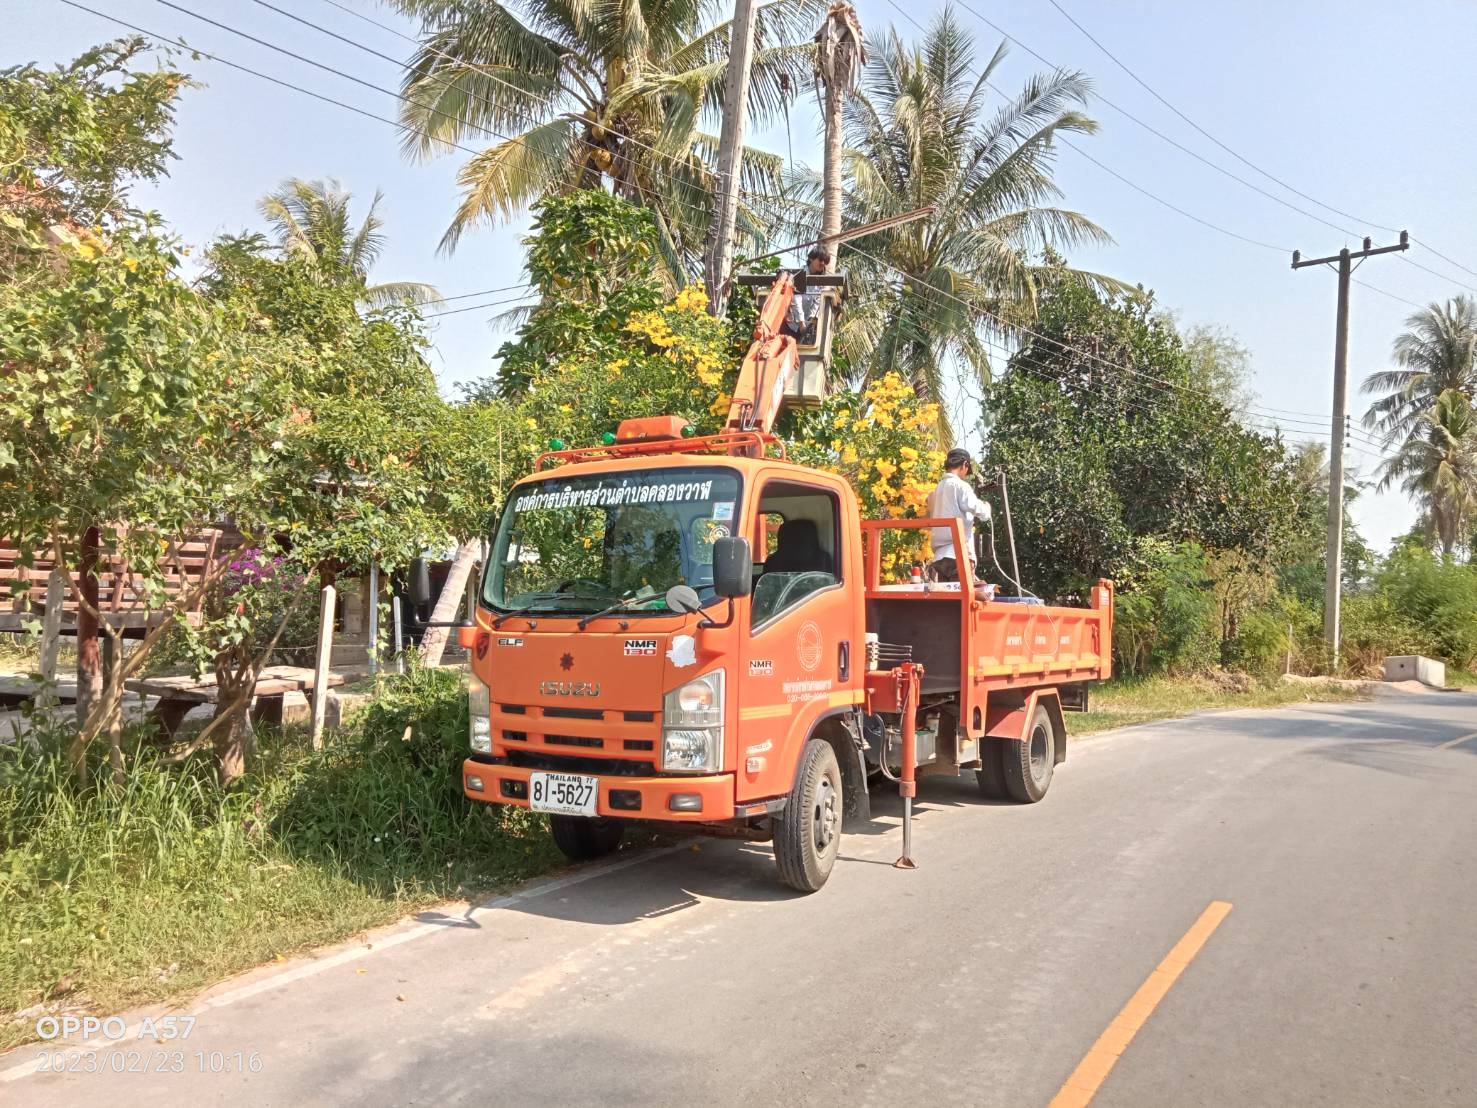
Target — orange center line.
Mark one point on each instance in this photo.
(1093, 1070)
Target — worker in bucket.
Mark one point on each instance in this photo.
(953, 498)
(800, 319)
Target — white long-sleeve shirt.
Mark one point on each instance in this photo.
(954, 499)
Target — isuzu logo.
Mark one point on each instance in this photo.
(570, 688)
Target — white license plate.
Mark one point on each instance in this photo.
(566, 794)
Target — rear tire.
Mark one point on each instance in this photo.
(1029, 762)
(581, 839)
(807, 835)
(991, 774)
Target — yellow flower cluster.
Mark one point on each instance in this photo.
(882, 443)
(694, 298)
(652, 326)
(664, 329)
(706, 368)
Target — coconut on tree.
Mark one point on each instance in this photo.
(610, 95)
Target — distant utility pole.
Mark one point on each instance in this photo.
(1333, 575)
(719, 254)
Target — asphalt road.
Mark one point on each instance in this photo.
(1344, 974)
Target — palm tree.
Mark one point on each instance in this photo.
(841, 52)
(1436, 354)
(932, 292)
(1437, 465)
(311, 222)
(589, 94)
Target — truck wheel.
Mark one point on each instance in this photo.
(807, 835)
(991, 774)
(1029, 762)
(580, 839)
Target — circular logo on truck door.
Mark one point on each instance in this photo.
(808, 645)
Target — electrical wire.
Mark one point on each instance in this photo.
(484, 292)
(1433, 273)
(548, 103)
(1186, 150)
(1246, 161)
(479, 307)
(1008, 328)
(1239, 157)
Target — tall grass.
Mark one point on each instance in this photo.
(119, 894)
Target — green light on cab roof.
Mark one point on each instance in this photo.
(689, 431)
(556, 444)
(607, 438)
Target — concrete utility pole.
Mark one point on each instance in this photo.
(719, 259)
(1333, 573)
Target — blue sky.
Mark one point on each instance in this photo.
(1352, 103)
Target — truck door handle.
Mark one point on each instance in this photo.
(843, 661)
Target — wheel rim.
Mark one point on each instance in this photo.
(1040, 754)
(824, 815)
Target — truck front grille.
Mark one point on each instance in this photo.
(572, 763)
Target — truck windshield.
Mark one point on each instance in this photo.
(580, 544)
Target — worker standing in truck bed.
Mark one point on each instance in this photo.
(952, 498)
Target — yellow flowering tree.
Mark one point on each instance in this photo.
(670, 360)
(881, 441)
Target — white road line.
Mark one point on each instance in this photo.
(298, 973)
(1458, 742)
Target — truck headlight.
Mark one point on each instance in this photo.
(692, 726)
(479, 714)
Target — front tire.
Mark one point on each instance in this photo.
(581, 839)
(1029, 762)
(807, 835)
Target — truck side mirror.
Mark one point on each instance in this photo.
(733, 569)
(420, 582)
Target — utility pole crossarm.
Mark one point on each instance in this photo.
(1333, 573)
(1369, 251)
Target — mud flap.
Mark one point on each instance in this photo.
(857, 809)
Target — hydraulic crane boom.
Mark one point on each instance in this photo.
(768, 365)
(773, 356)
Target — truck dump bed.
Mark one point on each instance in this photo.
(973, 646)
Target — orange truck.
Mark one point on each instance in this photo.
(693, 632)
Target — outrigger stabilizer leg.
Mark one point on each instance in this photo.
(908, 783)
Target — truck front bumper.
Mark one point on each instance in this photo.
(681, 799)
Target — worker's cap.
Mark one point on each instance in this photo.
(957, 457)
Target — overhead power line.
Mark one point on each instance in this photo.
(1201, 130)
(757, 202)
(1239, 157)
(1433, 273)
(1170, 206)
(549, 102)
(477, 307)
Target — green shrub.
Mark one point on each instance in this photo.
(110, 886)
(1372, 627)
(1164, 619)
(1260, 644)
(1435, 596)
(389, 797)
